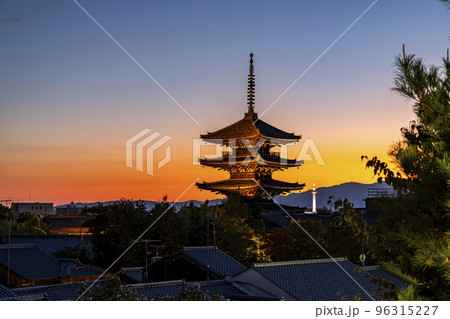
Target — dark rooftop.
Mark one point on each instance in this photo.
(135, 273)
(271, 131)
(51, 243)
(215, 259)
(57, 292)
(248, 127)
(173, 288)
(319, 279)
(30, 262)
(6, 294)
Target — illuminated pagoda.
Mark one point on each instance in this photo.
(248, 154)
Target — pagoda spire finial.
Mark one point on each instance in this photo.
(251, 87)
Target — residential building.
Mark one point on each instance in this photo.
(71, 210)
(27, 265)
(38, 209)
(69, 225)
(194, 264)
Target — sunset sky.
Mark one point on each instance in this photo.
(70, 97)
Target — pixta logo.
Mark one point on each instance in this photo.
(144, 141)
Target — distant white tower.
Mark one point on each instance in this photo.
(314, 192)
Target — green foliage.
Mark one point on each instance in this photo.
(414, 231)
(292, 243)
(172, 228)
(241, 242)
(234, 208)
(236, 236)
(114, 228)
(187, 227)
(77, 252)
(339, 240)
(410, 293)
(25, 223)
(111, 289)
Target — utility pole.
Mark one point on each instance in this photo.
(214, 234)
(9, 249)
(146, 257)
(207, 232)
(146, 260)
(10, 219)
(156, 244)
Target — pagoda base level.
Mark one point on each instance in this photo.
(250, 189)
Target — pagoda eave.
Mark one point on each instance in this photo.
(224, 162)
(231, 185)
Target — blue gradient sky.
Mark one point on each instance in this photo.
(69, 97)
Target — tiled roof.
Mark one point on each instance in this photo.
(248, 127)
(219, 287)
(238, 297)
(173, 288)
(271, 131)
(68, 291)
(80, 270)
(159, 289)
(30, 262)
(215, 259)
(6, 294)
(51, 243)
(378, 270)
(317, 280)
(58, 292)
(136, 273)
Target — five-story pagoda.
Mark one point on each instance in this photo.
(249, 158)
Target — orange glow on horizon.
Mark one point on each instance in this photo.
(93, 175)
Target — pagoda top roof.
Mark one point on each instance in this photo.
(250, 127)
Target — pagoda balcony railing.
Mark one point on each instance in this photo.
(272, 157)
(271, 154)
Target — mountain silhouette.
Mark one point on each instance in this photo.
(354, 192)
